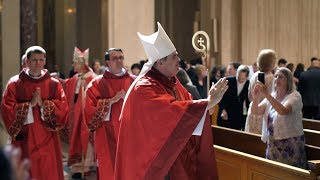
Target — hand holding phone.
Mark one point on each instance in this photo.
(261, 77)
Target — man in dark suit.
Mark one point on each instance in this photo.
(309, 88)
(235, 102)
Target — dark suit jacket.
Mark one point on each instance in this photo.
(309, 87)
(233, 103)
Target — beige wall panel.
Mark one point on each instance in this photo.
(291, 27)
(310, 25)
(258, 28)
(288, 31)
(10, 34)
(230, 30)
(126, 18)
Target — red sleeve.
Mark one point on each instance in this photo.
(14, 114)
(95, 109)
(55, 111)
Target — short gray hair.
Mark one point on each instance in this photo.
(243, 68)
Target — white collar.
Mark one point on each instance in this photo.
(42, 73)
(123, 72)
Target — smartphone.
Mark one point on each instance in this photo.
(261, 77)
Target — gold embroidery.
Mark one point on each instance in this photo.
(49, 116)
(103, 107)
(20, 117)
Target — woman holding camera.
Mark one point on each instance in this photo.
(282, 128)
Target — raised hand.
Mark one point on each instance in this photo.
(216, 92)
(260, 90)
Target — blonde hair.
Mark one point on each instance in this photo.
(199, 69)
(266, 60)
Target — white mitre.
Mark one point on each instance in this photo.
(158, 45)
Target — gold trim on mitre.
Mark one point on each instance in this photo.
(158, 45)
(81, 57)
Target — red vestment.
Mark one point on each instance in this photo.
(39, 141)
(78, 132)
(105, 87)
(156, 138)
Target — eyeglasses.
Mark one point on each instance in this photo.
(120, 58)
(276, 76)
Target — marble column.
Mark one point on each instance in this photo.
(28, 24)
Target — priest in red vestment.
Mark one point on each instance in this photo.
(34, 108)
(103, 106)
(164, 134)
(81, 155)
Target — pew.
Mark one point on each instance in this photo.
(311, 124)
(241, 155)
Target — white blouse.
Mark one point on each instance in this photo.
(285, 126)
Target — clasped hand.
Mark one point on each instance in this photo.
(216, 92)
(36, 98)
(120, 95)
(114, 99)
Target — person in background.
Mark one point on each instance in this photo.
(80, 154)
(34, 109)
(104, 101)
(282, 62)
(314, 61)
(232, 68)
(290, 66)
(200, 80)
(215, 74)
(23, 61)
(234, 104)
(309, 88)
(266, 61)
(160, 135)
(186, 83)
(299, 70)
(96, 67)
(282, 119)
(135, 69)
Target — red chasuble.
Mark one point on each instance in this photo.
(78, 132)
(39, 141)
(156, 138)
(104, 87)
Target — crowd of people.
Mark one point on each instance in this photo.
(152, 122)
